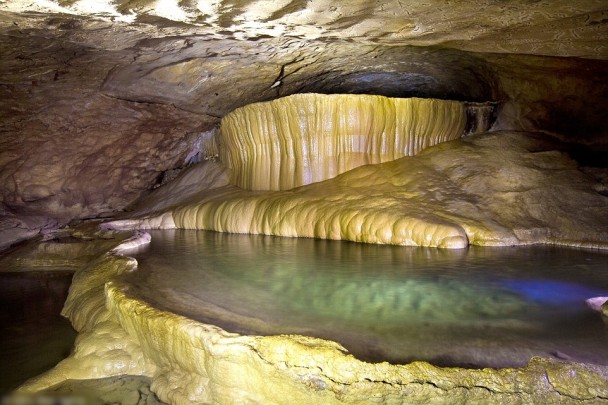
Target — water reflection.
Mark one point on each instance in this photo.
(33, 336)
(476, 307)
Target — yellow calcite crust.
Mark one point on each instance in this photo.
(490, 189)
(196, 363)
(324, 212)
(307, 138)
(102, 348)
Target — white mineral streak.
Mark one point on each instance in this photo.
(162, 221)
(596, 303)
(204, 148)
(307, 138)
(137, 240)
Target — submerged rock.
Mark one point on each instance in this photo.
(598, 304)
(191, 362)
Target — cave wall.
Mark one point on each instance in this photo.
(98, 104)
(68, 151)
(560, 96)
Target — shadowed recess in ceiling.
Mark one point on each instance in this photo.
(187, 74)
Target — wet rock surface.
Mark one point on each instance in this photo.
(98, 103)
(193, 362)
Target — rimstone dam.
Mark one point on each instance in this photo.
(304, 202)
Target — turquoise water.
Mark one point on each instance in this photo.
(478, 307)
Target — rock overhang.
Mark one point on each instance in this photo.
(71, 67)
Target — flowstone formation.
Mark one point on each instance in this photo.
(103, 100)
(492, 189)
(307, 138)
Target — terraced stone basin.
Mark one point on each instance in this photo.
(479, 307)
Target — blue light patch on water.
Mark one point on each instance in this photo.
(549, 292)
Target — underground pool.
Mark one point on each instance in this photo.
(476, 307)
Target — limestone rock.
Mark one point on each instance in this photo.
(102, 348)
(82, 154)
(99, 102)
(307, 138)
(559, 28)
(98, 99)
(191, 184)
(448, 195)
(490, 189)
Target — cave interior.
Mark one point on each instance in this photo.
(109, 106)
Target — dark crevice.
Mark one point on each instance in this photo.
(590, 156)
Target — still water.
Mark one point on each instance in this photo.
(33, 336)
(477, 307)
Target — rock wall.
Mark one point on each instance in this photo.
(67, 151)
(557, 28)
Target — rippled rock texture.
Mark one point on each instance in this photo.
(517, 26)
(492, 189)
(307, 138)
(102, 101)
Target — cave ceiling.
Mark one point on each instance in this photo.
(553, 28)
(100, 98)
